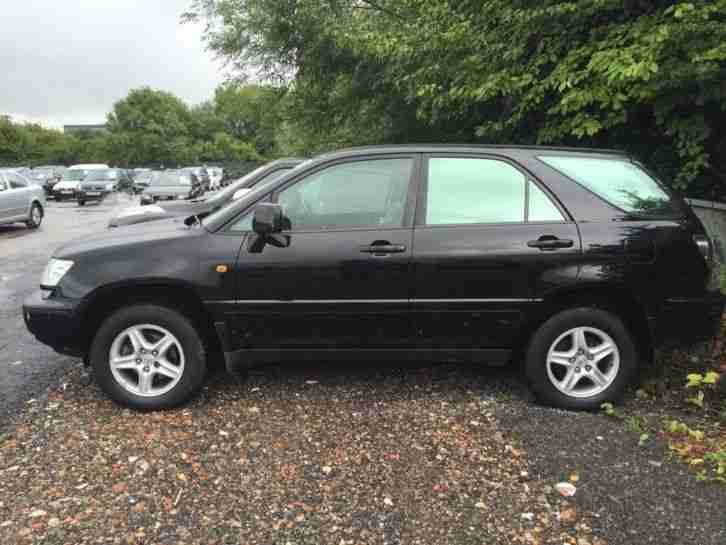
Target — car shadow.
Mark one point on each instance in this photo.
(15, 230)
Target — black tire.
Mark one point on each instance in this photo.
(35, 211)
(195, 368)
(536, 357)
(81, 203)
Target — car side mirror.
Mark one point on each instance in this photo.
(267, 219)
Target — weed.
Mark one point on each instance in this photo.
(609, 409)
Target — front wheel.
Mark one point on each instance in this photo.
(148, 357)
(581, 358)
(36, 216)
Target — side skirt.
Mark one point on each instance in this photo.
(246, 358)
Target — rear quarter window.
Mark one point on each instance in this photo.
(618, 181)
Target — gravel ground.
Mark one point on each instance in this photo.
(368, 455)
(637, 495)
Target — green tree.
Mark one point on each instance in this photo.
(643, 75)
(249, 112)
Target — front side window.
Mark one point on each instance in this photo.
(465, 190)
(370, 193)
(620, 182)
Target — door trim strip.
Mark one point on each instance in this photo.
(368, 301)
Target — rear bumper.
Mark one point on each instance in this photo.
(686, 321)
(55, 322)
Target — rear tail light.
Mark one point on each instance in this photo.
(704, 246)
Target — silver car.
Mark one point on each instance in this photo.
(20, 200)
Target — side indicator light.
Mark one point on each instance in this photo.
(222, 268)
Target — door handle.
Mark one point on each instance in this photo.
(547, 242)
(383, 248)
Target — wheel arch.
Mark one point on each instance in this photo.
(179, 296)
(615, 298)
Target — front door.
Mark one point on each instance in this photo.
(489, 242)
(16, 197)
(342, 277)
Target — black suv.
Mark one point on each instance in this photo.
(576, 262)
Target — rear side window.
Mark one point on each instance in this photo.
(620, 182)
(541, 208)
(465, 190)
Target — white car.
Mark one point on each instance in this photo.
(72, 178)
(20, 200)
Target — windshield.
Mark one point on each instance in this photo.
(101, 175)
(230, 190)
(75, 175)
(40, 174)
(172, 179)
(620, 182)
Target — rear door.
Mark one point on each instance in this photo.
(489, 242)
(343, 277)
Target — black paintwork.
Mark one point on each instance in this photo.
(472, 291)
(204, 206)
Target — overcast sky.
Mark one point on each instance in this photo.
(68, 61)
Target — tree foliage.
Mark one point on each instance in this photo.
(642, 75)
(155, 128)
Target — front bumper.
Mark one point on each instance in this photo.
(95, 195)
(686, 321)
(55, 322)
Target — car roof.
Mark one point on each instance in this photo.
(287, 161)
(467, 148)
(88, 166)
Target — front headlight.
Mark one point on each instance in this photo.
(54, 271)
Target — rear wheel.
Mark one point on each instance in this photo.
(36, 216)
(581, 358)
(148, 357)
(81, 203)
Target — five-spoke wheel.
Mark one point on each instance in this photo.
(146, 360)
(583, 362)
(148, 357)
(580, 358)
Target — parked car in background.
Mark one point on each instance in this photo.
(174, 184)
(216, 174)
(577, 262)
(142, 180)
(20, 200)
(47, 176)
(201, 207)
(201, 174)
(71, 179)
(99, 183)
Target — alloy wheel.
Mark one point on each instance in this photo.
(583, 362)
(146, 360)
